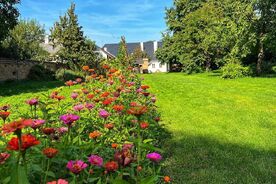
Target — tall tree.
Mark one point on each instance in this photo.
(122, 55)
(266, 29)
(8, 16)
(23, 41)
(69, 35)
(204, 34)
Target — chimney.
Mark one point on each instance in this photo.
(105, 49)
(155, 46)
(46, 39)
(142, 46)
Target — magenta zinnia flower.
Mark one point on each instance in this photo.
(76, 166)
(89, 106)
(32, 102)
(78, 107)
(60, 181)
(69, 118)
(155, 157)
(103, 113)
(95, 160)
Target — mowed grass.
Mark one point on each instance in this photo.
(223, 131)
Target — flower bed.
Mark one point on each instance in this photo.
(106, 131)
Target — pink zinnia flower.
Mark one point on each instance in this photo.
(155, 157)
(76, 166)
(62, 130)
(103, 113)
(37, 123)
(139, 90)
(4, 157)
(95, 160)
(32, 102)
(74, 95)
(78, 107)
(68, 119)
(60, 181)
(153, 99)
(89, 106)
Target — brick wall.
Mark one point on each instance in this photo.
(19, 70)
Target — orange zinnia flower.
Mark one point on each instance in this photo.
(90, 96)
(114, 145)
(95, 134)
(69, 83)
(50, 152)
(105, 94)
(137, 110)
(167, 179)
(107, 101)
(109, 126)
(16, 126)
(85, 68)
(59, 98)
(118, 108)
(27, 142)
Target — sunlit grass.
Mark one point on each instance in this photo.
(224, 131)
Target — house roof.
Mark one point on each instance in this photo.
(148, 48)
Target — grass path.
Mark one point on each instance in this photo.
(223, 131)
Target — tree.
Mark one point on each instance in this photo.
(8, 16)
(139, 54)
(122, 55)
(265, 29)
(205, 34)
(69, 35)
(23, 42)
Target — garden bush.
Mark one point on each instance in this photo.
(106, 130)
(38, 72)
(66, 74)
(234, 70)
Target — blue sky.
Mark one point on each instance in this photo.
(104, 21)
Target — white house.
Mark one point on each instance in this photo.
(149, 47)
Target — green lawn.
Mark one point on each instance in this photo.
(223, 131)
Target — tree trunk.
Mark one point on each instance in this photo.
(260, 55)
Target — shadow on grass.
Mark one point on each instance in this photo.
(204, 160)
(18, 87)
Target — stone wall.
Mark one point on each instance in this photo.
(19, 70)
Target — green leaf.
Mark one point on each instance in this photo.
(19, 176)
(149, 180)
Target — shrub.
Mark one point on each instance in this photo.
(65, 74)
(234, 70)
(38, 72)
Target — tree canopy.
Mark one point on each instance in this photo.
(208, 34)
(75, 47)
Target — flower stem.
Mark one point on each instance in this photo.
(47, 169)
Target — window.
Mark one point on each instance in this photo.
(153, 65)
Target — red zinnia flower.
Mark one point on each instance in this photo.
(48, 131)
(90, 96)
(111, 166)
(5, 108)
(144, 125)
(50, 152)
(16, 125)
(144, 87)
(4, 115)
(27, 142)
(105, 66)
(105, 94)
(108, 101)
(69, 83)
